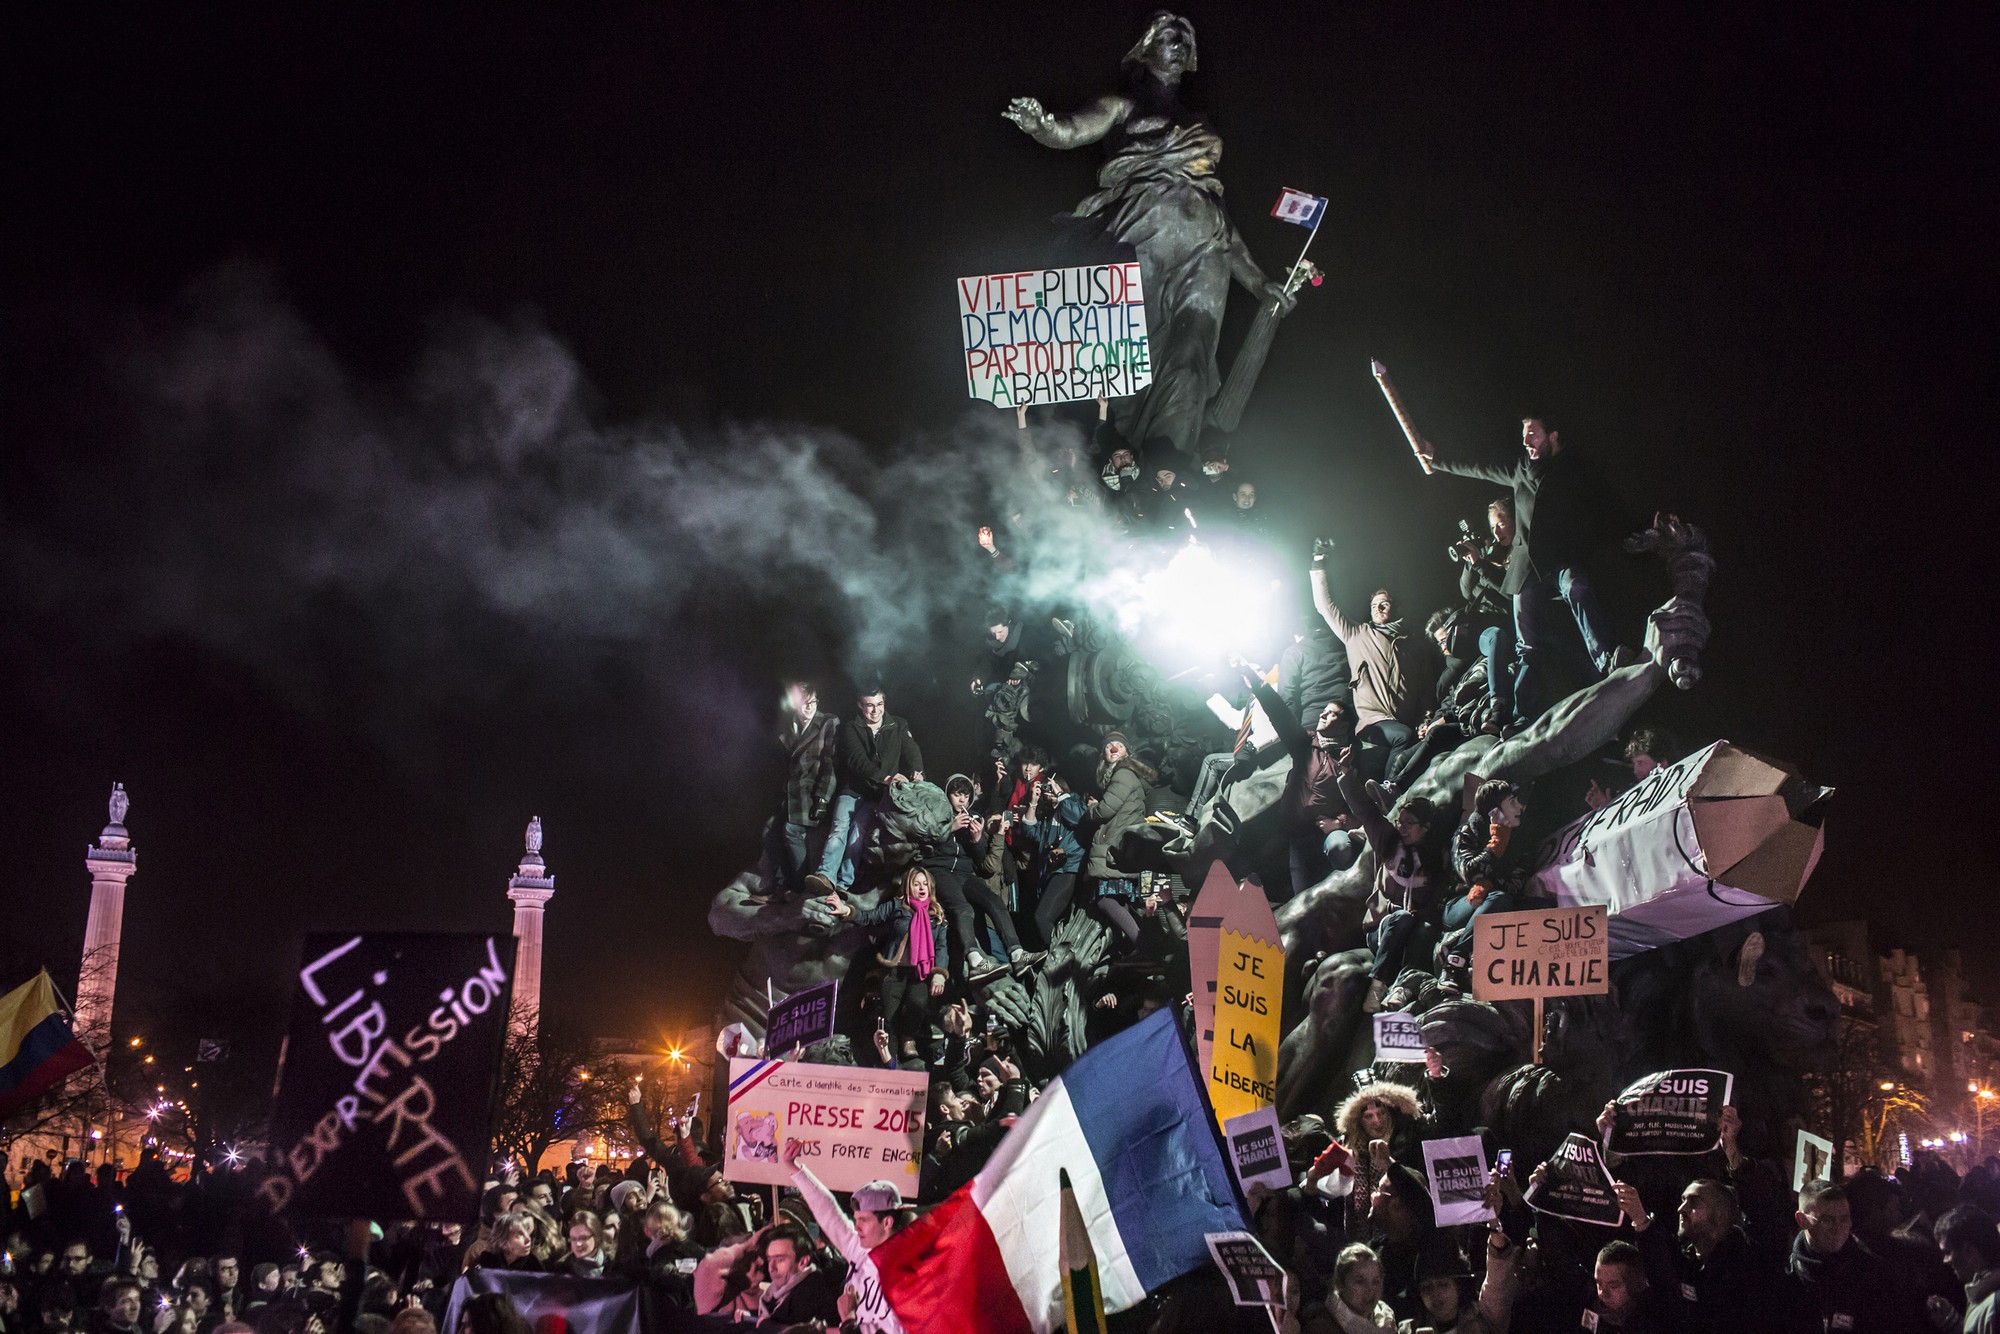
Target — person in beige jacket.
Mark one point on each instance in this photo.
(1395, 673)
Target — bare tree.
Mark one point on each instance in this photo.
(1861, 1103)
(554, 1086)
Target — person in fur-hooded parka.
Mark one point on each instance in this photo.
(1397, 1119)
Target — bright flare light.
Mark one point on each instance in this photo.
(1198, 606)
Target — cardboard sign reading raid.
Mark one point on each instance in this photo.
(1457, 1172)
(1055, 335)
(1674, 1111)
(802, 1019)
(1694, 845)
(1813, 1160)
(1257, 1150)
(858, 1125)
(1255, 1279)
(1399, 1038)
(385, 1088)
(1577, 1185)
(1542, 952)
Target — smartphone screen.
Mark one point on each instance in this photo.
(1506, 1161)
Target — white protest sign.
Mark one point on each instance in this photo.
(1054, 335)
(1457, 1172)
(1257, 1149)
(1399, 1038)
(1255, 1279)
(858, 1125)
(1812, 1160)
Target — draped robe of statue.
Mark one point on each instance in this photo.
(1159, 196)
(1158, 193)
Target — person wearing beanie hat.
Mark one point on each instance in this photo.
(264, 1282)
(960, 864)
(874, 1221)
(623, 1192)
(1445, 1287)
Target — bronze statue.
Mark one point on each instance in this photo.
(1158, 193)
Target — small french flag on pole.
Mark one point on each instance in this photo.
(1300, 207)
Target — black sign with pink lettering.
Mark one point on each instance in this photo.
(385, 1089)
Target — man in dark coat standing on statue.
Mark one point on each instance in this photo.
(1556, 509)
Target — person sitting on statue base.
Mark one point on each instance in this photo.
(1410, 878)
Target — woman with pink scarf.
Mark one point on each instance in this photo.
(914, 949)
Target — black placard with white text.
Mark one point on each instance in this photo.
(802, 1019)
(1674, 1111)
(1575, 1184)
(385, 1093)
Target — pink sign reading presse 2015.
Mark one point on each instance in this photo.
(1055, 335)
(857, 1125)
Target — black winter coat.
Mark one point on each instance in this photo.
(1314, 670)
(866, 760)
(1558, 512)
(1848, 1290)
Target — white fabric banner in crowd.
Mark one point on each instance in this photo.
(1716, 837)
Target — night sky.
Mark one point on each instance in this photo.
(269, 272)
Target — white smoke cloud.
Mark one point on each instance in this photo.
(273, 481)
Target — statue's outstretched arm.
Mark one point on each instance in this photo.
(1250, 277)
(1085, 126)
(738, 913)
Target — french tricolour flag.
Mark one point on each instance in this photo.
(1128, 1123)
(1300, 207)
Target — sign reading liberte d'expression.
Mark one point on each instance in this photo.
(385, 1095)
(1055, 335)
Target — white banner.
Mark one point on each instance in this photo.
(1692, 846)
(858, 1125)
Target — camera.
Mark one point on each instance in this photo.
(1468, 544)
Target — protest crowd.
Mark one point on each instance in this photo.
(968, 884)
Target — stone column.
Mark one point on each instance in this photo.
(531, 889)
(111, 862)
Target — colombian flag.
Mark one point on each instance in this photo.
(37, 1048)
